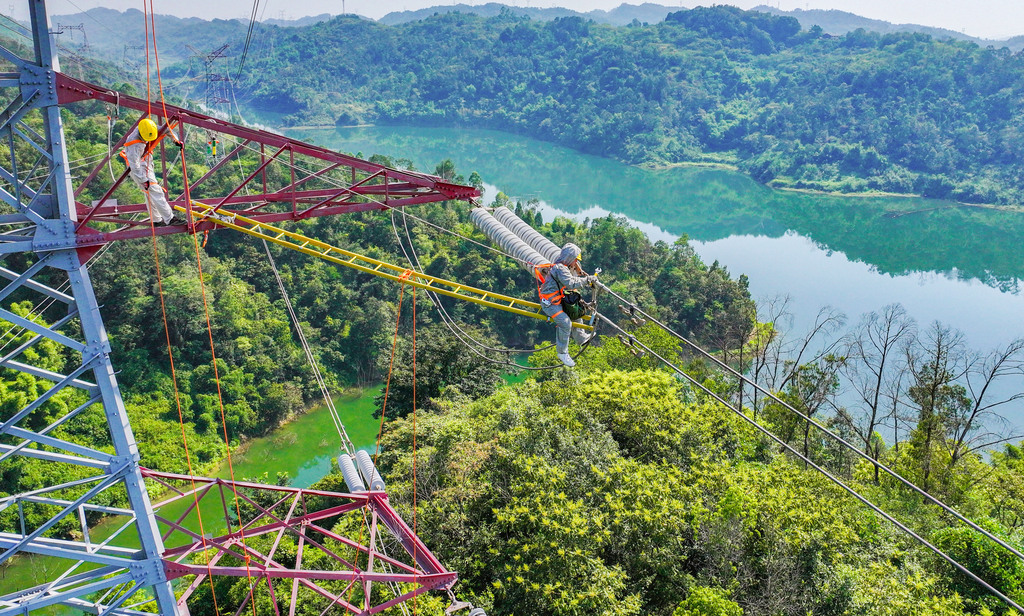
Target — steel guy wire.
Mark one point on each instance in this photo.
(414, 260)
(837, 438)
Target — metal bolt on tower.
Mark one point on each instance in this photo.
(40, 227)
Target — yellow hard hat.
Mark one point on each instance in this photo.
(148, 130)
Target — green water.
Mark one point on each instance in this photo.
(303, 448)
(713, 204)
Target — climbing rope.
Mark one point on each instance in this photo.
(415, 546)
(170, 352)
(391, 367)
(151, 25)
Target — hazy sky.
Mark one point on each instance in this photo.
(983, 18)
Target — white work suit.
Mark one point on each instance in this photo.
(140, 164)
(560, 277)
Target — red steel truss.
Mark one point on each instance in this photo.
(342, 572)
(312, 180)
(293, 181)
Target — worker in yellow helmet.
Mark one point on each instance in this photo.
(138, 155)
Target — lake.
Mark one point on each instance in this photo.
(958, 265)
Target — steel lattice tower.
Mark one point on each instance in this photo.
(41, 229)
(46, 239)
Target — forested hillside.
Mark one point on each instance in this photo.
(348, 316)
(617, 488)
(898, 112)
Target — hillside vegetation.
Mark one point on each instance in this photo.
(615, 489)
(899, 112)
(348, 316)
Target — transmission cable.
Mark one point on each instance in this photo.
(383, 205)
(248, 37)
(864, 500)
(729, 369)
(466, 338)
(314, 367)
(415, 262)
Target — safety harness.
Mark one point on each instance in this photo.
(571, 302)
(541, 271)
(125, 156)
(150, 146)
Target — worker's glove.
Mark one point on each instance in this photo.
(145, 185)
(181, 145)
(592, 280)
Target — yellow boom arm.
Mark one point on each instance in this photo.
(401, 275)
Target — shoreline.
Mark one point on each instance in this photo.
(727, 166)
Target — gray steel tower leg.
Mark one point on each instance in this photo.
(102, 577)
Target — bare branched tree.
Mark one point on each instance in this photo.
(765, 346)
(818, 343)
(876, 368)
(986, 382)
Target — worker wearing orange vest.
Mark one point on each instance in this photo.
(552, 282)
(138, 155)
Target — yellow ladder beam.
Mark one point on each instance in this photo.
(401, 275)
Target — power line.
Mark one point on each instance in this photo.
(248, 37)
(722, 365)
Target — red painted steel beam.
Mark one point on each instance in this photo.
(420, 566)
(394, 187)
(71, 90)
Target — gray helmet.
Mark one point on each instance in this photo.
(570, 252)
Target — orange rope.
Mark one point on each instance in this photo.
(156, 58)
(209, 331)
(394, 344)
(149, 97)
(220, 396)
(415, 546)
(174, 374)
(181, 417)
(220, 402)
(387, 384)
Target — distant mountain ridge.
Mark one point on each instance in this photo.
(838, 22)
(831, 21)
(619, 16)
(179, 30)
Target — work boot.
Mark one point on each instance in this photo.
(175, 221)
(566, 359)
